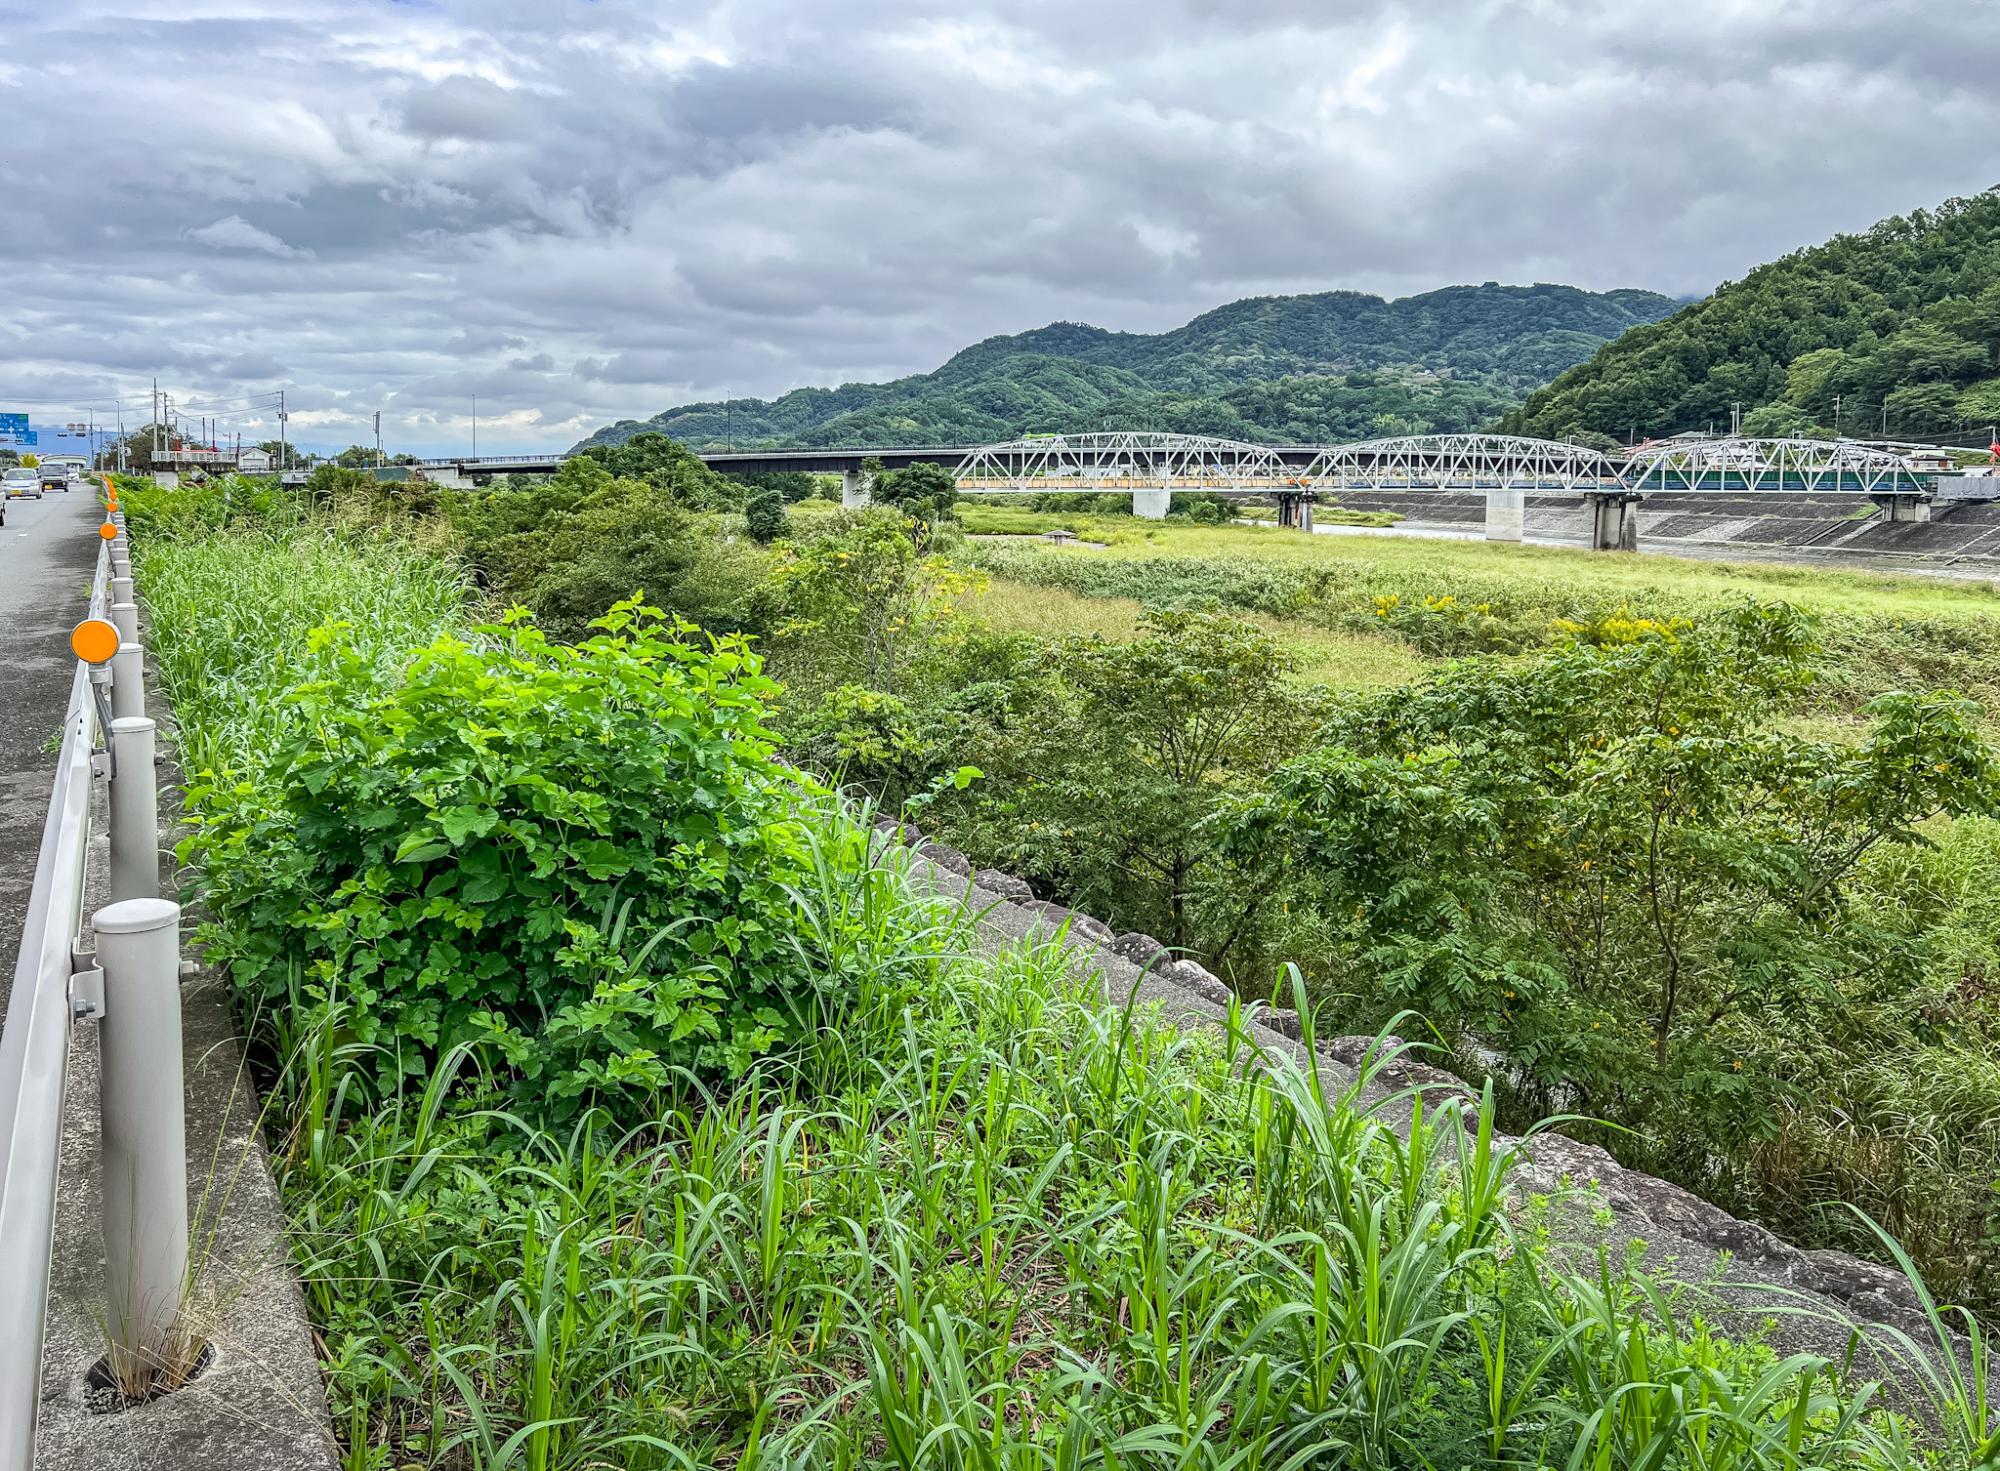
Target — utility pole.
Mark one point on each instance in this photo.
(1836, 416)
(1735, 420)
(156, 418)
(378, 439)
(284, 455)
(475, 426)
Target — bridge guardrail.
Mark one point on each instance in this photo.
(134, 973)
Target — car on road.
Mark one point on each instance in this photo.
(55, 474)
(21, 481)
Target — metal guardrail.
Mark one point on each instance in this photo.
(131, 986)
(34, 1063)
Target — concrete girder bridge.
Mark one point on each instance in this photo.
(1148, 466)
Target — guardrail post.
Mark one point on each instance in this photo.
(121, 591)
(128, 682)
(125, 618)
(135, 811)
(144, 1130)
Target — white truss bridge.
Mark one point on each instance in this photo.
(1806, 465)
(1124, 461)
(1154, 462)
(1462, 462)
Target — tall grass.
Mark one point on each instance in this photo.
(1039, 1233)
(232, 618)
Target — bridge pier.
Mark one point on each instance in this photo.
(1903, 505)
(1151, 505)
(1295, 510)
(1614, 520)
(853, 490)
(1506, 513)
(447, 477)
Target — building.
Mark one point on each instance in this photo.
(254, 461)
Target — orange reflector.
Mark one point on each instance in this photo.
(108, 531)
(95, 640)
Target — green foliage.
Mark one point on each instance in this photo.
(1609, 865)
(593, 874)
(861, 606)
(670, 467)
(1895, 330)
(197, 510)
(924, 493)
(570, 548)
(1333, 366)
(764, 517)
(790, 485)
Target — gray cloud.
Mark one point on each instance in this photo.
(587, 212)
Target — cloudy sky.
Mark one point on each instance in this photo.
(581, 210)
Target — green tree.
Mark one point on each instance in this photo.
(284, 455)
(862, 606)
(672, 467)
(586, 538)
(924, 493)
(764, 516)
(1781, 421)
(1104, 762)
(1923, 408)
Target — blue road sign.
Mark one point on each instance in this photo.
(13, 424)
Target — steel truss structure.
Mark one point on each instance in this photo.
(1461, 461)
(1738, 463)
(1123, 461)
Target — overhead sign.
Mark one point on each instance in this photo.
(13, 423)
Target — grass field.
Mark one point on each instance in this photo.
(1450, 565)
(1338, 659)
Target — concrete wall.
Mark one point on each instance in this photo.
(1506, 518)
(1151, 504)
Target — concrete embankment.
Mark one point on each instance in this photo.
(1842, 530)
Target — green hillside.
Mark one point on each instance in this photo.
(1894, 331)
(1335, 365)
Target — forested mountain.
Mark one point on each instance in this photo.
(1335, 365)
(1894, 331)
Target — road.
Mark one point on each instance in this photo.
(47, 554)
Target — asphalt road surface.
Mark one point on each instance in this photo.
(48, 550)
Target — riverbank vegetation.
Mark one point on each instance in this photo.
(633, 1107)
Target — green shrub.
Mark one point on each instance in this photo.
(582, 853)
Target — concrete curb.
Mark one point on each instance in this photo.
(260, 1405)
